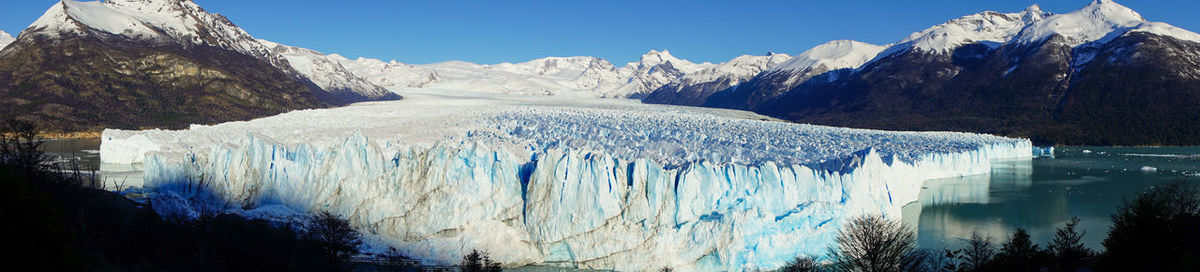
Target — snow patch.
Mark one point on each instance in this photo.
(5, 39)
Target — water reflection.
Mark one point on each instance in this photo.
(85, 153)
(1043, 194)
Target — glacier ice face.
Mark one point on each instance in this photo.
(568, 206)
(503, 180)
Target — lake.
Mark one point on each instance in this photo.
(1039, 195)
(1043, 194)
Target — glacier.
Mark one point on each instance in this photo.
(604, 184)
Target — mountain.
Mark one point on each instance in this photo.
(562, 76)
(342, 86)
(5, 39)
(829, 61)
(147, 63)
(693, 88)
(1101, 75)
(651, 71)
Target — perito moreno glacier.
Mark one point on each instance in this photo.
(604, 184)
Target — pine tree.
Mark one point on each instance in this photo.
(1020, 253)
(1067, 247)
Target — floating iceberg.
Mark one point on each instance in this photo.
(594, 184)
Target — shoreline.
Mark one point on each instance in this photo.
(81, 135)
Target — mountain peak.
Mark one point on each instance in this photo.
(986, 27)
(1111, 10)
(1035, 8)
(5, 39)
(172, 21)
(839, 54)
(1033, 13)
(1098, 20)
(657, 57)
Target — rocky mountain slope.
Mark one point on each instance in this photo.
(694, 88)
(342, 86)
(829, 61)
(1100, 75)
(147, 63)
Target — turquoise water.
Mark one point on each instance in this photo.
(1043, 194)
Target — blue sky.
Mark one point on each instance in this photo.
(617, 30)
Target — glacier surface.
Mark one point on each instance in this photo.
(609, 184)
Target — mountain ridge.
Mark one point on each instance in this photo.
(1055, 81)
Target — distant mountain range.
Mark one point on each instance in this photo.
(1099, 75)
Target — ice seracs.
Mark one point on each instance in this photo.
(607, 184)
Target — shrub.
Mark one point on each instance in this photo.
(979, 253)
(1159, 230)
(800, 264)
(1019, 253)
(480, 262)
(875, 244)
(335, 235)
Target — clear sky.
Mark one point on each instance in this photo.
(617, 30)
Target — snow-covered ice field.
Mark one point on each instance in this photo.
(593, 183)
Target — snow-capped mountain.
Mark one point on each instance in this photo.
(835, 55)
(564, 76)
(829, 60)
(693, 88)
(1101, 22)
(329, 74)
(186, 24)
(5, 39)
(651, 71)
(1052, 77)
(178, 22)
(988, 28)
(145, 63)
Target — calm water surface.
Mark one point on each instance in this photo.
(1041, 195)
(86, 152)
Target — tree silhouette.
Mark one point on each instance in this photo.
(875, 244)
(1067, 246)
(800, 264)
(335, 235)
(979, 253)
(1020, 253)
(479, 262)
(1159, 230)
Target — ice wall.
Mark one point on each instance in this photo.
(573, 207)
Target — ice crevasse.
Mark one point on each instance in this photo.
(589, 184)
(564, 206)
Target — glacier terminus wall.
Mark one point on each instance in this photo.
(536, 182)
